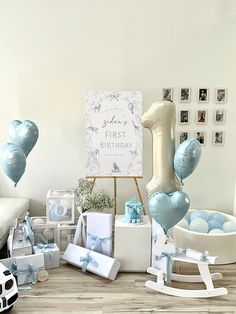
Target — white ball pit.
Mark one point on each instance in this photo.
(221, 245)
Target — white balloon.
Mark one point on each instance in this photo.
(160, 120)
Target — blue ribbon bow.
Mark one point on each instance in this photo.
(46, 248)
(96, 245)
(86, 260)
(205, 256)
(31, 271)
(14, 269)
(27, 231)
(169, 257)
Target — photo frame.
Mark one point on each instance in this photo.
(185, 95)
(220, 95)
(219, 116)
(218, 138)
(203, 95)
(201, 137)
(201, 116)
(184, 116)
(167, 94)
(182, 136)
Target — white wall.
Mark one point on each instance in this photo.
(52, 51)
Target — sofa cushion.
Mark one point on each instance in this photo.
(10, 209)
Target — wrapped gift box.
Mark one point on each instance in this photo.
(132, 245)
(28, 268)
(25, 268)
(99, 232)
(43, 232)
(94, 262)
(65, 235)
(157, 231)
(18, 243)
(51, 254)
(60, 206)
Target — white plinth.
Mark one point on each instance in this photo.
(132, 245)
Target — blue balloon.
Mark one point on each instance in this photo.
(24, 134)
(12, 161)
(168, 209)
(187, 157)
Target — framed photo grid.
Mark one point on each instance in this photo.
(202, 116)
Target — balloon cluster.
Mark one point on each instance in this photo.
(23, 137)
(204, 222)
(169, 208)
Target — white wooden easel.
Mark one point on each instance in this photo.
(205, 276)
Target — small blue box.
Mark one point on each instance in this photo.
(133, 211)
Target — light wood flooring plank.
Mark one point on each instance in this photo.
(69, 290)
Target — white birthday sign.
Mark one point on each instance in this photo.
(114, 133)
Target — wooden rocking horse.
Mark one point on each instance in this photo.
(165, 249)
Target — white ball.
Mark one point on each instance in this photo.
(216, 231)
(38, 221)
(183, 224)
(199, 214)
(49, 233)
(199, 225)
(229, 226)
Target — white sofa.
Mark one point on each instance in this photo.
(10, 209)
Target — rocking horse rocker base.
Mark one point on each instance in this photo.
(204, 276)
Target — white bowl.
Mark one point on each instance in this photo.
(221, 245)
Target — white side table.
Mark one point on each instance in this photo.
(132, 245)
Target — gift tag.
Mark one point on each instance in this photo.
(43, 275)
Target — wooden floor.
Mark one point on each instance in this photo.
(68, 290)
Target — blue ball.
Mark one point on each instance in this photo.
(216, 231)
(229, 226)
(218, 216)
(199, 225)
(214, 224)
(199, 214)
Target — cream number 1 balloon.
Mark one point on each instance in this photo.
(160, 120)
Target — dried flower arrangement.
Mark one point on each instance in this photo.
(88, 199)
